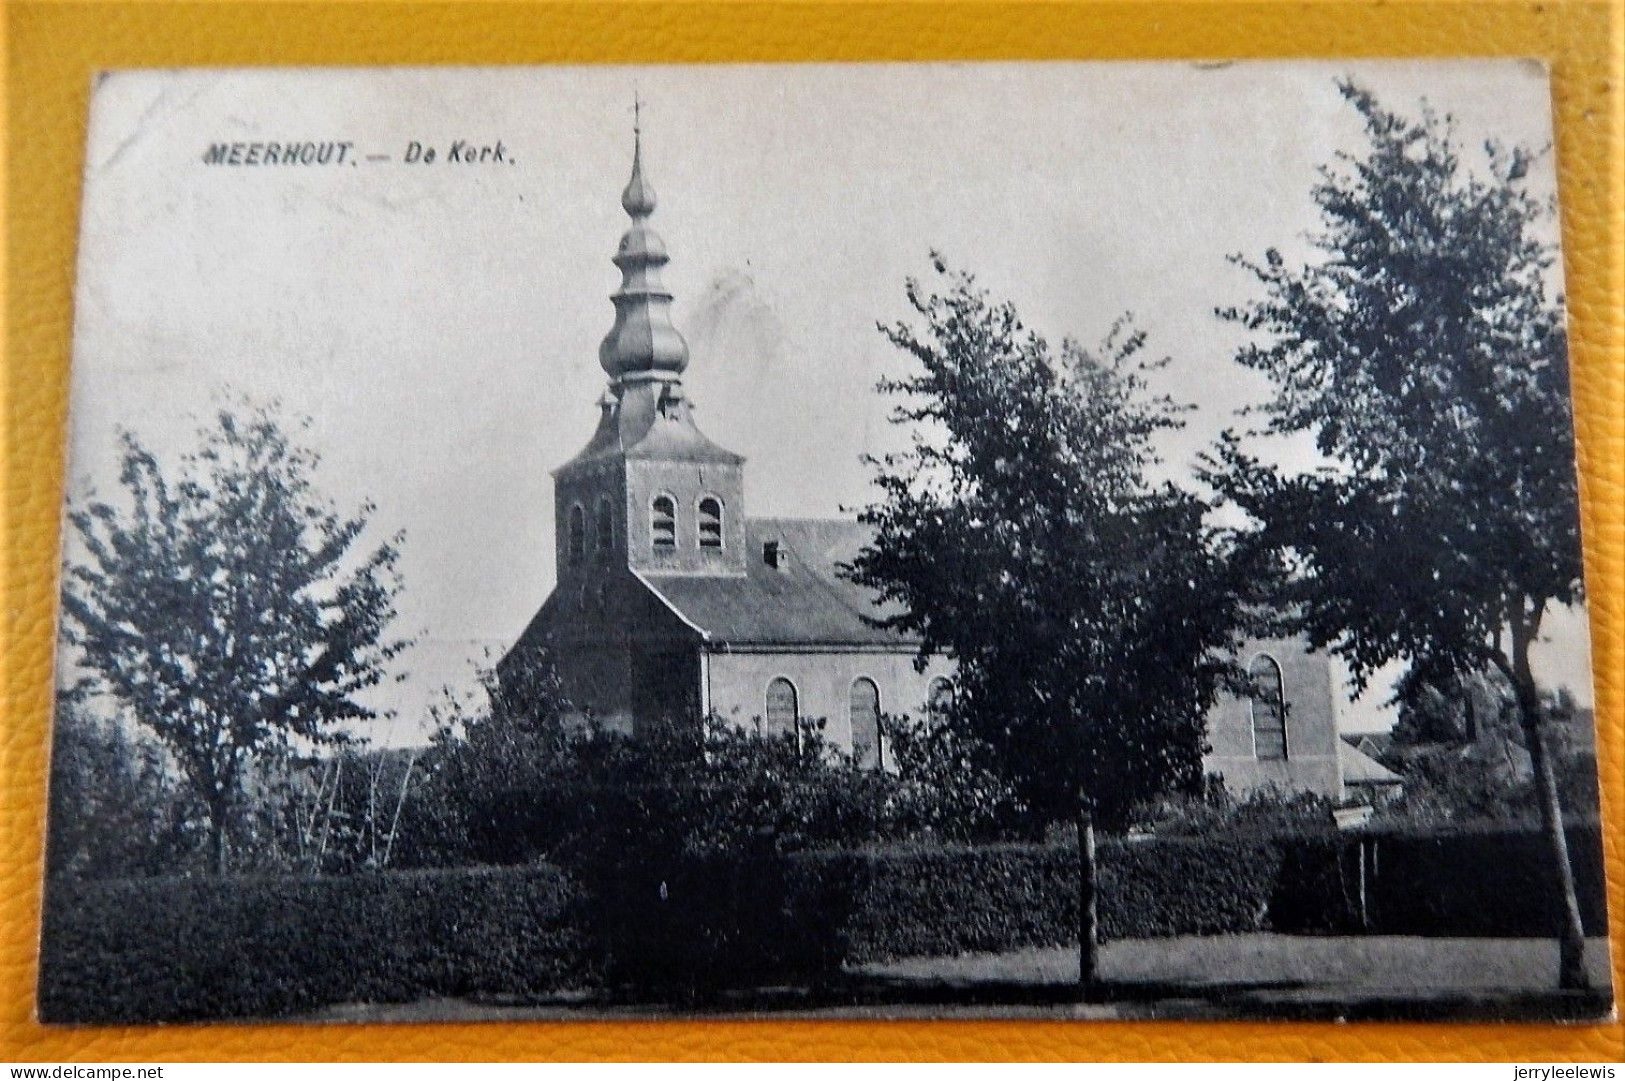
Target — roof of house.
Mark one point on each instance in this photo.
(1358, 768)
(1381, 742)
(802, 602)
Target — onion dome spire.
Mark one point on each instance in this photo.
(642, 345)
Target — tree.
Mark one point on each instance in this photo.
(1455, 708)
(1422, 349)
(1090, 610)
(227, 609)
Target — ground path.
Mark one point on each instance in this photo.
(1224, 975)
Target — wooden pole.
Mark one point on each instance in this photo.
(1088, 915)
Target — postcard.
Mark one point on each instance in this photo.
(906, 540)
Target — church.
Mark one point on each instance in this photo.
(672, 601)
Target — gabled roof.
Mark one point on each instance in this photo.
(1381, 742)
(804, 602)
(1357, 768)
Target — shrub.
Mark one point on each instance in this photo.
(1216, 811)
(186, 949)
(947, 785)
(516, 780)
(684, 921)
(565, 793)
(903, 900)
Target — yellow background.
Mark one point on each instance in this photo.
(54, 49)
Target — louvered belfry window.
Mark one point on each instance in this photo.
(663, 521)
(710, 522)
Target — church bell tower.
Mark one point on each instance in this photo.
(649, 491)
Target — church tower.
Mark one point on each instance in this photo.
(649, 492)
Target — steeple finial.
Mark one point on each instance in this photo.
(643, 345)
(639, 197)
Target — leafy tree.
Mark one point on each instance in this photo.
(225, 606)
(1464, 708)
(1089, 609)
(1424, 352)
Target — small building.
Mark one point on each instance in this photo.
(672, 601)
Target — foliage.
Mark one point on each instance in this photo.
(1487, 783)
(188, 949)
(1218, 812)
(946, 783)
(327, 813)
(1464, 754)
(224, 606)
(706, 921)
(1024, 502)
(1424, 352)
(918, 900)
(906, 900)
(118, 810)
(518, 779)
(1460, 708)
(1449, 785)
(144, 950)
(115, 811)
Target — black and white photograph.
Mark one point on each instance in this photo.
(1066, 540)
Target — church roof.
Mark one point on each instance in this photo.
(649, 421)
(802, 602)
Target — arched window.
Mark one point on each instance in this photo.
(939, 700)
(865, 713)
(710, 522)
(663, 521)
(1269, 709)
(605, 530)
(576, 541)
(782, 709)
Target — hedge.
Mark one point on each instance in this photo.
(924, 901)
(901, 901)
(135, 950)
(184, 949)
(1491, 882)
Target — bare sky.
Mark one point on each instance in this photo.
(440, 323)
